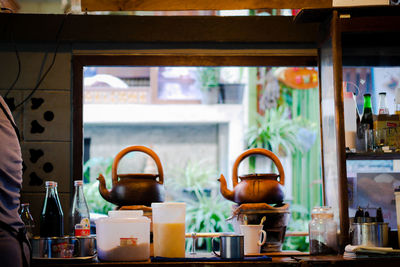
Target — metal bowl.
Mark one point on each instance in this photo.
(63, 247)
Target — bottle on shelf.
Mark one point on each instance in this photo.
(79, 217)
(367, 116)
(383, 109)
(52, 217)
(27, 219)
(397, 103)
(366, 126)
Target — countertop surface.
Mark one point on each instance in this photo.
(278, 259)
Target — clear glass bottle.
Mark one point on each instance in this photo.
(322, 232)
(80, 216)
(27, 218)
(397, 102)
(383, 109)
(52, 217)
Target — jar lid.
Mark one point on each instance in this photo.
(322, 212)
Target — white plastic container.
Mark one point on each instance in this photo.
(123, 236)
(169, 229)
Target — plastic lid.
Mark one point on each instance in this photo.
(124, 216)
(397, 189)
(382, 93)
(125, 213)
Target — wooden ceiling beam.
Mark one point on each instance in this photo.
(175, 5)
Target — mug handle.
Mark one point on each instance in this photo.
(212, 244)
(264, 237)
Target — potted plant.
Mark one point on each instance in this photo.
(191, 177)
(279, 133)
(232, 86)
(209, 84)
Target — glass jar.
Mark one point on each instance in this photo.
(322, 231)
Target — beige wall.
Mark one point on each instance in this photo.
(55, 140)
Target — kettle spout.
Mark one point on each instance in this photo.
(224, 188)
(106, 194)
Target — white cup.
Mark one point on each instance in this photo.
(252, 235)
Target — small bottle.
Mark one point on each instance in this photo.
(80, 217)
(52, 217)
(27, 218)
(367, 118)
(379, 215)
(383, 109)
(397, 103)
(367, 124)
(322, 232)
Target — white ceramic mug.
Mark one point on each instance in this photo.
(252, 235)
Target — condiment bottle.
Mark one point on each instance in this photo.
(367, 123)
(26, 217)
(397, 103)
(322, 232)
(52, 217)
(383, 109)
(79, 216)
(367, 117)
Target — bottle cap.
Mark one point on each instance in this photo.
(24, 205)
(51, 183)
(78, 182)
(368, 94)
(382, 93)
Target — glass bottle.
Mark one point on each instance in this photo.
(322, 232)
(397, 103)
(383, 109)
(27, 218)
(79, 217)
(367, 124)
(52, 217)
(367, 117)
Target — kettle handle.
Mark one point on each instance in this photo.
(143, 149)
(259, 151)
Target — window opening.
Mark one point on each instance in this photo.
(164, 108)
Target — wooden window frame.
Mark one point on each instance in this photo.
(80, 61)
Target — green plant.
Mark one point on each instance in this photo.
(298, 223)
(208, 77)
(192, 175)
(207, 214)
(92, 168)
(277, 131)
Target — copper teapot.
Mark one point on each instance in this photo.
(134, 189)
(255, 188)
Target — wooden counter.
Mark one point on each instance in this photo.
(301, 261)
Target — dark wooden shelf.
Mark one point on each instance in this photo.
(372, 156)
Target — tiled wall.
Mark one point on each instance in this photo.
(44, 121)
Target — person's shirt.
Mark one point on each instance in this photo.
(10, 170)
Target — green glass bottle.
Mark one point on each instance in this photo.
(367, 117)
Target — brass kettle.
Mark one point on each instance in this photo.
(255, 188)
(134, 189)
